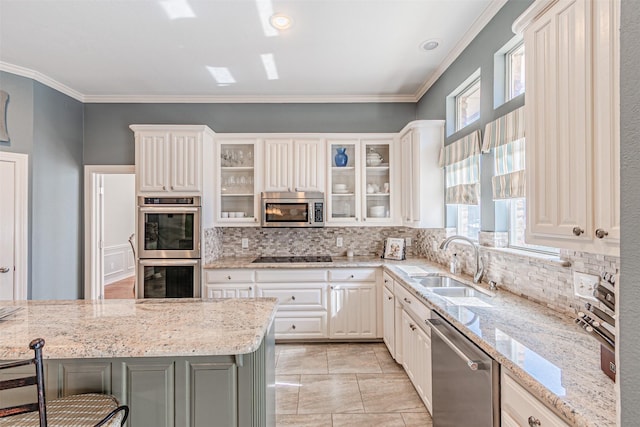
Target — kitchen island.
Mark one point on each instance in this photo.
(175, 362)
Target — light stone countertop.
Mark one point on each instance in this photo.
(544, 350)
(137, 328)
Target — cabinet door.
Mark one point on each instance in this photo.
(388, 320)
(378, 201)
(277, 165)
(152, 162)
(344, 190)
(558, 125)
(408, 181)
(423, 360)
(82, 376)
(409, 351)
(185, 162)
(230, 291)
(353, 311)
(308, 165)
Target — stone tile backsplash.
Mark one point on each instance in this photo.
(227, 242)
(542, 280)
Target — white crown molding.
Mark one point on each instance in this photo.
(468, 37)
(244, 99)
(45, 80)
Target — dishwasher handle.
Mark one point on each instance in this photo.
(474, 365)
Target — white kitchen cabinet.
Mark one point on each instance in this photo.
(388, 320)
(237, 168)
(520, 408)
(353, 310)
(293, 163)
(572, 119)
(416, 349)
(229, 291)
(229, 283)
(169, 158)
(422, 180)
(364, 190)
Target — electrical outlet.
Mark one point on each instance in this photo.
(434, 246)
(339, 242)
(584, 285)
(245, 243)
(408, 241)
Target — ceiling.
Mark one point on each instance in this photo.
(226, 50)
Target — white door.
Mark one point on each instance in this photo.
(7, 229)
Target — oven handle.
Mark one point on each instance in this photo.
(474, 365)
(168, 262)
(169, 209)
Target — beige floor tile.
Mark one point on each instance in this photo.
(352, 358)
(368, 420)
(287, 389)
(415, 419)
(322, 394)
(308, 420)
(386, 362)
(302, 359)
(389, 393)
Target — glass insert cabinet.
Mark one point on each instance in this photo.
(238, 161)
(360, 187)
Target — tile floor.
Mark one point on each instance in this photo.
(344, 384)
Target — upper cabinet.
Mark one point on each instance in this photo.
(237, 189)
(361, 180)
(293, 164)
(422, 178)
(169, 158)
(572, 124)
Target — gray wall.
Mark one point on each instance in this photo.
(479, 54)
(108, 139)
(629, 289)
(47, 126)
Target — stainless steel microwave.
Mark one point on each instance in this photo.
(295, 209)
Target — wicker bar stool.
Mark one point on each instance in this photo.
(80, 410)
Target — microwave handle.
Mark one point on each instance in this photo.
(168, 262)
(172, 209)
(311, 213)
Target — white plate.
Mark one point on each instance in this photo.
(345, 191)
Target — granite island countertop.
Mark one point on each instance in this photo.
(543, 349)
(136, 328)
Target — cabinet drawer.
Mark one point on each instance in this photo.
(387, 281)
(353, 275)
(230, 276)
(297, 297)
(520, 405)
(301, 275)
(413, 304)
(301, 325)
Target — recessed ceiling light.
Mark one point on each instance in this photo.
(280, 21)
(429, 45)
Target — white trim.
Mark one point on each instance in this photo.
(490, 11)
(21, 226)
(93, 254)
(466, 40)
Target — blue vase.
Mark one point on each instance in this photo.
(341, 157)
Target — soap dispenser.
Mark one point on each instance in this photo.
(454, 266)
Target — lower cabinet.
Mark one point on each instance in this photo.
(353, 311)
(416, 350)
(388, 320)
(520, 408)
(229, 291)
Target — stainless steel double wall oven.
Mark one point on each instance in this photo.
(169, 247)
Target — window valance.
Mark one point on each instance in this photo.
(506, 129)
(461, 149)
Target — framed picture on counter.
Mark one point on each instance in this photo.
(394, 248)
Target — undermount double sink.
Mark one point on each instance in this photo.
(447, 287)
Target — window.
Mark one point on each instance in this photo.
(467, 104)
(468, 221)
(517, 225)
(514, 71)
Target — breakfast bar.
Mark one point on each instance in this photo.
(174, 362)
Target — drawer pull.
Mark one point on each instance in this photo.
(577, 231)
(408, 301)
(389, 298)
(228, 277)
(293, 326)
(533, 421)
(601, 234)
(412, 326)
(352, 276)
(293, 297)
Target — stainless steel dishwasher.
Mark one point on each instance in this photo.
(466, 380)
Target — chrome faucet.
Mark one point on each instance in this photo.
(477, 275)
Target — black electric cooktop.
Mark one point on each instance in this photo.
(307, 258)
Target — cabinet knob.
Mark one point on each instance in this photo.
(352, 276)
(172, 187)
(408, 301)
(255, 219)
(364, 219)
(250, 288)
(412, 326)
(164, 188)
(600, 233)
(389, 298)
(293, 326)
(293, 297)
(228, 277)
(533, 421)
(357, 219)
(578, 231)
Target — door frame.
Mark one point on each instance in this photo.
(21, 222)
(94, 226)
